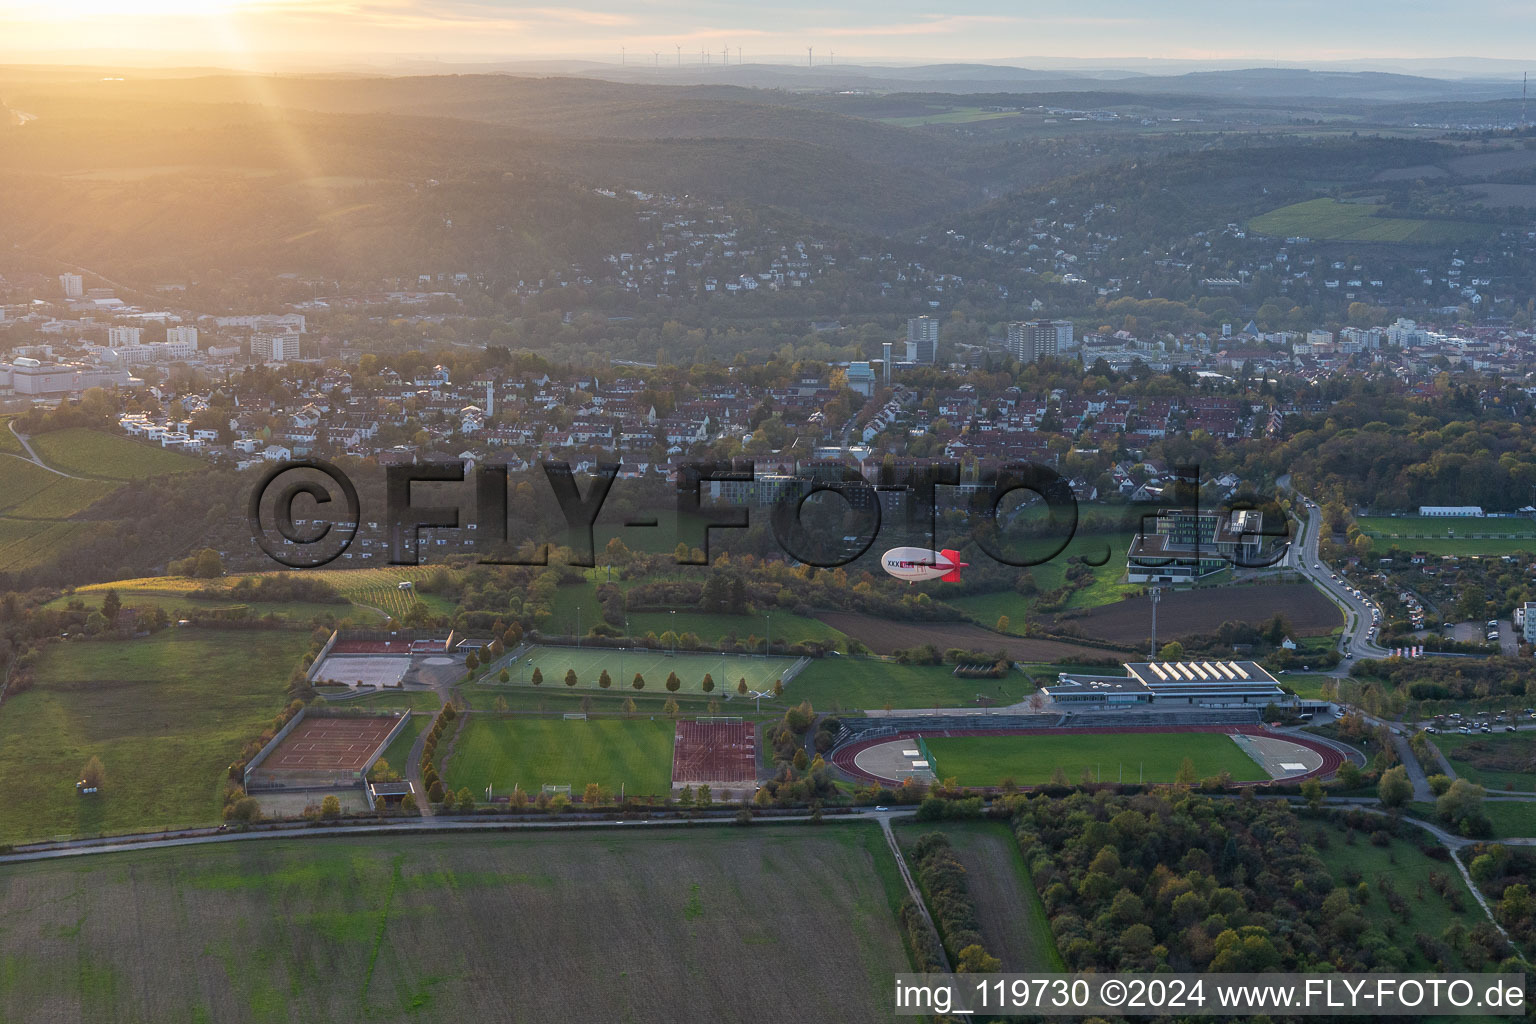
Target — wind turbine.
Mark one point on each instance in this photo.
(623, 56)
(679, 55)
(808, 61)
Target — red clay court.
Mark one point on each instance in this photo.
(330, 744)
(714, 753)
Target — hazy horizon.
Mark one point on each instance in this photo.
(1187, 35)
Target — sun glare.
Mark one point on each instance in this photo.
(78, 10)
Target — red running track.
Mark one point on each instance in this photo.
(843, 757)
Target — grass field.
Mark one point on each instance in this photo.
(625, 925)
(842, 684)
(589, 664)
(533, 752)
(956, 115)
(1328, 220)
(1105, 588)
(28, 542)
(399, 749)
(174, 595)
(1511, 819)
(1493, 761)
(785, 627)
(1409, 870)
(28, 491)
(107, 456)
(1444, 536)
(1146, 757)
(166, 715)
(1009, 913)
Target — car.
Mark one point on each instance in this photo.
(1465, 730)
(1493, 622)
(1349, 654)
(1430, 729)
(1509, 728)
(882, 808)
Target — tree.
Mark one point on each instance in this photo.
(570, 677)
(110, 606)
(537, 677)
(592, 795)
(673, 682)
(708, 685)
(465, 799)
(670, 707)
(638, 682)
(448, 800)
(245, 810)
(435, 792)
(1002, 624)
(703, 799)
(1349, 775)
(629, 707)
(1172, 651)
(471, 662)
(408, 803)
(1186, 776)
(330, 807)
(974, 960)
(209, 565)
(778, 687)
(501, 705)
(741, 686)
(1461, 801)
(504, 676)
(94, 773)
(1312, 792)
(1394, 789)
(605, 680)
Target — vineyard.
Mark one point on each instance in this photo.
(380, 588)
(92, 453)
(28, 491)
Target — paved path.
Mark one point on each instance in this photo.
(1304, 558)
(912, 889)
(32, 456)
(413, 774)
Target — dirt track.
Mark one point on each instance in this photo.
(1187, 612)
(884, 636)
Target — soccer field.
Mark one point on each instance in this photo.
(531, 753)
(589, 663)
(1141, 757)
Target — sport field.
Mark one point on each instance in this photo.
(1030, 760)
(848, 684)
(1009, 913)
(633, 924)
(1437, 536)
(1328, 220)
(166, 715)
(530, 753)
(107, 456)
(589, 664)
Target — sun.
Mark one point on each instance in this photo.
(84, 10)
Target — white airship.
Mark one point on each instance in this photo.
(918, 564)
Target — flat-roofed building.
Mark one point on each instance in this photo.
(1213, 683)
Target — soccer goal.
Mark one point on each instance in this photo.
(575, 716)
(552, 790)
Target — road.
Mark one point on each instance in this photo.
(1304, 558)
(441, 823)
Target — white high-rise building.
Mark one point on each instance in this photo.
(73, 285)
(1034, 340)
(922, 339)
(182, 335)
(274, 348)
(124, 337)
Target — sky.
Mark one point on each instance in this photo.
(315, 31)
